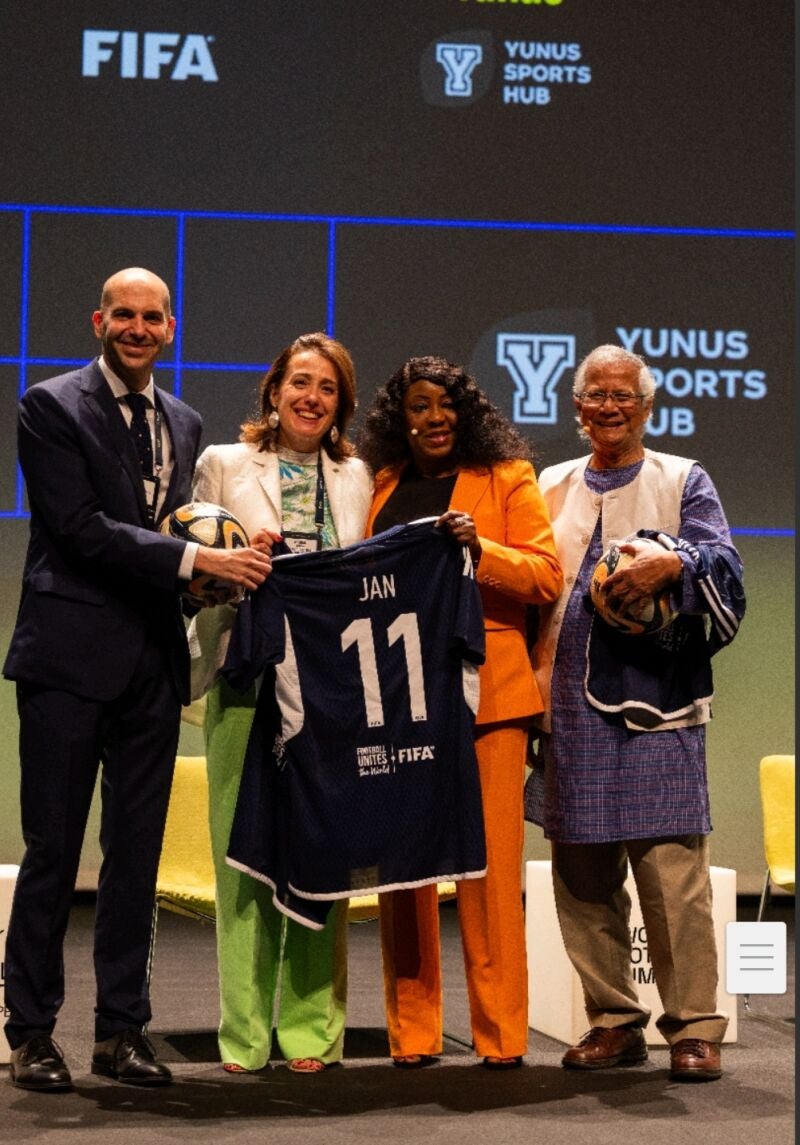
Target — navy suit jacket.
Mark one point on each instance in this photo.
(98, 581)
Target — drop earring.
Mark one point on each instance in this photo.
(334, 435)
(273, 421)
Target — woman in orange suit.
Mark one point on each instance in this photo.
(438, 447)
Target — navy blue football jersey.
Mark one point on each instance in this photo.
(360, 773)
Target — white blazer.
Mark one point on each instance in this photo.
(246, 482)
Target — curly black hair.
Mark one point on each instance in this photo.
(483, 435)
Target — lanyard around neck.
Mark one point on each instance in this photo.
(319, 500)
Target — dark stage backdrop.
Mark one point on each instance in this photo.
(505, 182)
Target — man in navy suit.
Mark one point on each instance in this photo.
(100, 659)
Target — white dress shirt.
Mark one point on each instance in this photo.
(120, 392)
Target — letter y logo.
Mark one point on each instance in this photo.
(459, 62)
(536, 363)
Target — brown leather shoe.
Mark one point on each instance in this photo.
(693, 1059)
(602, 1048)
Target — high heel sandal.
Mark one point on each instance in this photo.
(307, 1065)
(413, 1061)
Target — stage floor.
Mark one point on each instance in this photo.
(453, 1103)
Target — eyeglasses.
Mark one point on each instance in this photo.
(622, 398)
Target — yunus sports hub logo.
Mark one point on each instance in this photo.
(457, 70)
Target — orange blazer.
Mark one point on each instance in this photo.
(518, 567)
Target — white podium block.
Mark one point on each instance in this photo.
(8, 880)
(555, 1005)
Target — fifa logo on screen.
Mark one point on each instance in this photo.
(536, 363)
(459, 62)
(148, 55)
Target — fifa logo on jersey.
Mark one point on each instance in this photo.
(459, 62)
(147, 55)
(412, 754)
(536, 363)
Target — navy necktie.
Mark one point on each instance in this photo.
(140, 431)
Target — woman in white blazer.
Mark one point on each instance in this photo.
(293, 474)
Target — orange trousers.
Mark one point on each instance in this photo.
(490, 916)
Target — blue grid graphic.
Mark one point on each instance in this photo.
(23, 361)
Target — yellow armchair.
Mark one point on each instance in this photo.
(776, 785)
(185, 882)
(776, 781)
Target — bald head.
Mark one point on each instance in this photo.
(135, 276)
(134, 324)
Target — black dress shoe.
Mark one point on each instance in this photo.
(39, 1064)
(129, 1057)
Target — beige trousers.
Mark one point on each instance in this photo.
(674, 888)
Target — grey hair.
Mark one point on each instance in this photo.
(610, 355)
(614, 355)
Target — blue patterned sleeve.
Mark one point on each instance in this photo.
(703, 521)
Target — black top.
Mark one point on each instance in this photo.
(415, 496)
